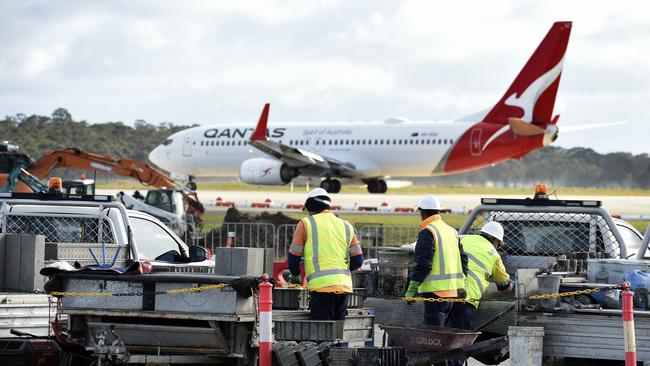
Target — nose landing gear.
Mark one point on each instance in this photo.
(331, 185)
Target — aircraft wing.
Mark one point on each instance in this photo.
(295, 157)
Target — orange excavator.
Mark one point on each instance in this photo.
(169, 196)
(75, 158)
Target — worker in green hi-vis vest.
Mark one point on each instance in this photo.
(484, 265)
(440, 263)
(330, 250)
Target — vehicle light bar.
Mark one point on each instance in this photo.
(57, 196)
(540, 202)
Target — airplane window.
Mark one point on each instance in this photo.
(329, 142)
(394, 142)
(428, 142)
(201, 143)
(376, 142)
(351, 142)
(290, 142)
(417, 142)
(336, 142)
(439, 141)
(239, 143)
(433, 141)
(168, 142)
(381, 142)
(445, 141)
(358, 142)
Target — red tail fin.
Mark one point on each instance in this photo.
(532, 95)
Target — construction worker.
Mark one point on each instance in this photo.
(484, 264)
(330, 250)
(440, 263)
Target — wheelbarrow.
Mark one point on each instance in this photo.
(430, 344)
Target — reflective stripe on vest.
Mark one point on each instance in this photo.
(326, 251)
(482, 258)
(446, 270)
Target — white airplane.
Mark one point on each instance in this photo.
(522, 121)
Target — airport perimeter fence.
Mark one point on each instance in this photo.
(265, 235)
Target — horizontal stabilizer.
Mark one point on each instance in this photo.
(590, 126)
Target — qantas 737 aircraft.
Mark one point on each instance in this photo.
(519, 123)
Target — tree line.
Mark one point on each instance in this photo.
(576, 167)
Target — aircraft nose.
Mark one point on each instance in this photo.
(156, 155)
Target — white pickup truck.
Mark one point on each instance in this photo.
(97, 230)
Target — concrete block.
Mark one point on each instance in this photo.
(32, 256)
(3, 266)
(12, 260)
(526, 345)
(247, 262)
(222, 259)
(24, 259)
(239, 261)
(269, 257)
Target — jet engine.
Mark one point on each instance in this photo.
(266, 171)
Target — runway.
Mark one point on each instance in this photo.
(621, 205)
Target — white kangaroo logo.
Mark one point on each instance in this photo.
(528, 98)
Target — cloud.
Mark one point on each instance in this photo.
(208, 61)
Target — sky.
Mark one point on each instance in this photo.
(210, 62)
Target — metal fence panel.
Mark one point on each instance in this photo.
(62, 229)
(236, 234)
(283, 241)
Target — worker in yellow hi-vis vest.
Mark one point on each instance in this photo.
(330, 250)
(484, 264)
(440, 263)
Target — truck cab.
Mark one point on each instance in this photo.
(96, 230)
(538, 231)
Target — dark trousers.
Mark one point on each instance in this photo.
(435, 313)
(461, 315)
(328, 306)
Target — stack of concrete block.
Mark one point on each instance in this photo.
(21, 259)
(243, 261)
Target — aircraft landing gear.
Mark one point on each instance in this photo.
(331, 185)
(377, 186)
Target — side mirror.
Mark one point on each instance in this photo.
(197, 253)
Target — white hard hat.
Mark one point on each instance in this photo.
(494, 229)
(429, 202)
(319, 192)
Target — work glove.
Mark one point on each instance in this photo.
(296, 280)
(412, 290)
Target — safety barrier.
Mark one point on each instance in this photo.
(268, 203)
(265, 322)
(628, 325)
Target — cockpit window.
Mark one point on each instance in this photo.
(167, 142)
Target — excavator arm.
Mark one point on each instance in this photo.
(75, 158)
